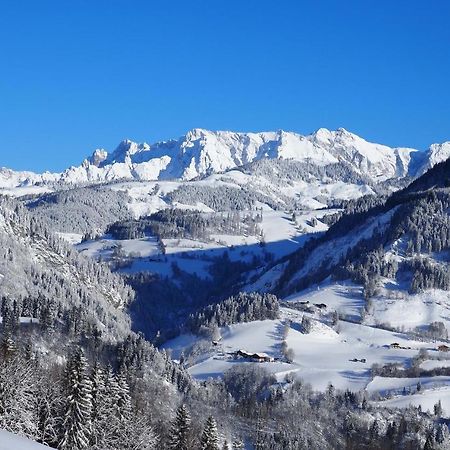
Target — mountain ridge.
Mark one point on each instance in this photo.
(201, 152)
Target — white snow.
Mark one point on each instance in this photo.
(71, 238)
(394, 307)
(9, 441)
(345, 298)
(431, 364)
(426, 399)
(139, 248)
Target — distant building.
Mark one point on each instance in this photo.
(395, 345)
(257, 357)
(443, 348)
(320, 305)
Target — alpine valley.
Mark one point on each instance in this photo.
(228, 290)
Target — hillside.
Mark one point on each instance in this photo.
(47, 277)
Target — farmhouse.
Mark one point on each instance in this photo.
(443, 348)
(257, 357)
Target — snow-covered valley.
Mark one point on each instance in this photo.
(288, 265)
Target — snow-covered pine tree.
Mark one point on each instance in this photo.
(98, 390)
(77, 418)
(438, 409)
(210, 436)
(180, 430)
(124, 407)
(100, 413)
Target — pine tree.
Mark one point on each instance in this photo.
(100, 413)
(238, 444)
(180, 430)
(123, 398)
(77, 419)
(210, 437)
(98, 390)
(438, 409)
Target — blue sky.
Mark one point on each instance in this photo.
(84, 74)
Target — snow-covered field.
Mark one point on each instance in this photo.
(323, 356)
(344, 298)
(103, 248)
(426, 399)
(395, 307)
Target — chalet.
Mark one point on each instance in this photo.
(320, 305)
(395, 345)
(257, 357)
(443, 348)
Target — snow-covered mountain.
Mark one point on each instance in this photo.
(202, 152)
(11, 179)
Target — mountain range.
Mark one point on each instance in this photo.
(201, 153)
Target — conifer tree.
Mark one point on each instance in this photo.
(77, 418)
(210, 437)
(438, 409)
(123, 398)
(180, 430)
(99, 413)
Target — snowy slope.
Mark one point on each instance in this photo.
(312, 351)
(435, 154)
(9, 441)
(426, 399)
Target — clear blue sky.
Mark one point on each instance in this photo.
(84, 74)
